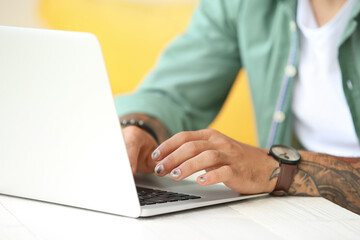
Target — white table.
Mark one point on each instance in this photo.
(264, 218)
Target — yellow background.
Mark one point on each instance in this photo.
(132, 34)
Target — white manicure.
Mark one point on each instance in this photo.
(159, 169)
(155, 154)
(175, 173)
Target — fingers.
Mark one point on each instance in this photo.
(189, 152)
(205, 160)
(178, 140)
(139, 145)
(221, 174)
(133, 151)
(185, 152)
(145, 163)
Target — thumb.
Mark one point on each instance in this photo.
(133, 149)
(133, 153)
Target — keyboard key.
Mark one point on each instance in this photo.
(148, 196)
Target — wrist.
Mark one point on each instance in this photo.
(140, 124)
(152, 124)
(288, 159)
(273, 173)
(270, 171)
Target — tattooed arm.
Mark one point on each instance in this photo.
(249, 170)
(334, 178)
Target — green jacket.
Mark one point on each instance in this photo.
(188, 86)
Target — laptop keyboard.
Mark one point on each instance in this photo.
(148, 196)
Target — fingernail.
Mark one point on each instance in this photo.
(159, 169)
(175, 173)
(202, 179)
(155, 154)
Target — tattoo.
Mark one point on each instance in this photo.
(275, 173)
(335, 179)
(156, 125)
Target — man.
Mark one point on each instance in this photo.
(303, 66)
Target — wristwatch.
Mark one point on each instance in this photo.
(288, 159)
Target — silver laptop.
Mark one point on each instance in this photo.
(60, 138)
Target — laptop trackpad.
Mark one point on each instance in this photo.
(151, 180)
(188, 186)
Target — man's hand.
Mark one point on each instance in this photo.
(139, 144)
(249, 170)
(241, 167)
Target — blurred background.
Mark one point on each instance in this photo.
(132, 34)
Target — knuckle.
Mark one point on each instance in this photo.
(127, 131)
(215, 176)
(181, 135)
(211, 132)
(131, 129)
(240, 168)
(191, 148)
(170, 160)
(129, 140)
(214, 131)
(215, 135)
(227, 145)
(222, 174)
(188, 166)
(224, 142)
(212, 154)
(228, 171)
(133, 134)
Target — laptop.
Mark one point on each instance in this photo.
(60, 137)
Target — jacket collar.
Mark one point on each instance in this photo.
(356, 10)
(354, 14)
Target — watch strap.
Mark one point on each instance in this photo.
(285, 179)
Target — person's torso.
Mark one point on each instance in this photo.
(322, 118)
(269, 48)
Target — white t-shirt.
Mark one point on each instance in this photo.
(322, 118)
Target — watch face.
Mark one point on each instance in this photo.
(286, 154)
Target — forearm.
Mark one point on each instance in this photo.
(155, 124)
(330, 177)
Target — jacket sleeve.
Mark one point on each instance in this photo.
(193, 76)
